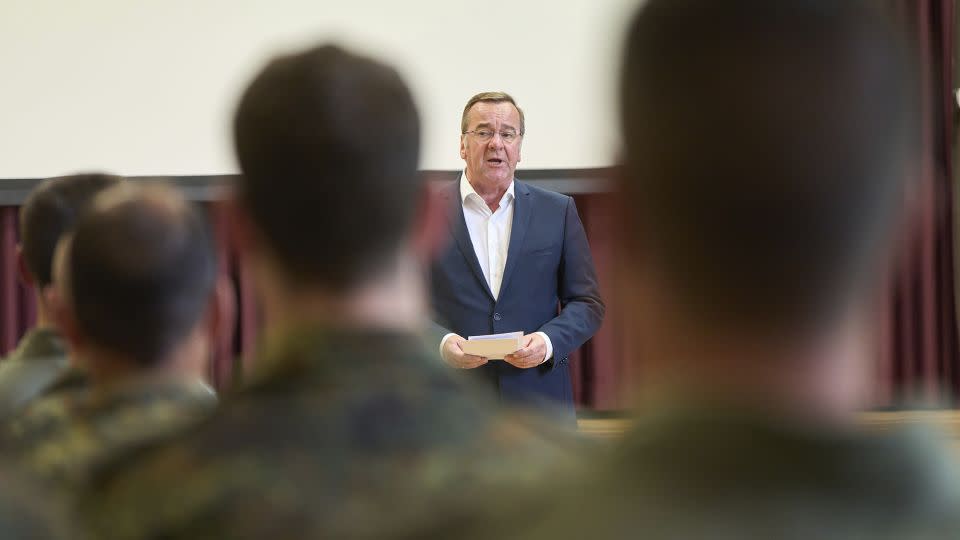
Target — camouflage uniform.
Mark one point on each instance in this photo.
(70, 380)
(30, 512)
(338, 435)
(28, 372)
(707, 474)
(63, 438)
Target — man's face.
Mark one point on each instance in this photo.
(494, 161)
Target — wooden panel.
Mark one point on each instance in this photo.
(943, 421)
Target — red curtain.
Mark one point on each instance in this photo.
(598, 366)
(917, 343)
(918, 360)
(13, 320)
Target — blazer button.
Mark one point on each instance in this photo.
(497, 316)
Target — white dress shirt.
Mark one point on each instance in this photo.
(490, 236)
(489, 231)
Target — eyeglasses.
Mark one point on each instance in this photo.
(484, 135)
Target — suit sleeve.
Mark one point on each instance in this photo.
(434, 334)
(581, 309)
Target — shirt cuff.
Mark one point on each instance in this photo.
(546, 338)
(451, 334)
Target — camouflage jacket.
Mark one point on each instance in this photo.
(340, 435)
(723, 475)
(29, 510)
(37, 362)
(64, 437)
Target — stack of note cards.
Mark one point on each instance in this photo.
(494, 346)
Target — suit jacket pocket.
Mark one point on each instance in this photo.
(540, 252)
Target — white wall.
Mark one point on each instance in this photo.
(148, 86)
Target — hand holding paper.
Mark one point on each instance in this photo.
(494, 346)
(532, 354)
(454, 354)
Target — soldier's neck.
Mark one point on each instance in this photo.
(188, 359)
(821, 382)
(44, 312)
(821, 374)
(393, 301)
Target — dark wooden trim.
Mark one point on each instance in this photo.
(13, 191)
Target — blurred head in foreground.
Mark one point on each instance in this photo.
(136, 285)
(347, 425)
(40, 360)
(328, 143)
(49, 212)
(766, 150)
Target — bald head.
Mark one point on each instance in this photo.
(138, 271)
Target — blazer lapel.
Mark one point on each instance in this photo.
(458, 227)
(521, 217)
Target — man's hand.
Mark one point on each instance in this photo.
(531, 354)
(453, 354)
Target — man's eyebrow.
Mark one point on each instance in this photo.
(488, 125)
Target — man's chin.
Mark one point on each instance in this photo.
(498, 175)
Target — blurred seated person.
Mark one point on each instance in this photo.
(350, 426)
(40, 361)
(764, 179)
(134, 298)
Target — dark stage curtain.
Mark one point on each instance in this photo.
(918, 357)
(916, 343)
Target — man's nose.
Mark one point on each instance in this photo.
(495, 141)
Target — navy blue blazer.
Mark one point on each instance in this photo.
(549, 285)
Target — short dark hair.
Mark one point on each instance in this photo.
(51, 211)
(765, 152)
(140, 269)
(490, 97)
(328, 144)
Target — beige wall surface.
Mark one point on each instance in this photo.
(146, 87)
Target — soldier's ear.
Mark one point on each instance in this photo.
(235, 228)
(222, 312)
(63, 317)
(243, 233)
(429, 236)
(25, 276)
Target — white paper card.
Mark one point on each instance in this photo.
(508, 335)
(493, 346)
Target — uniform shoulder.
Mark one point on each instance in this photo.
(43, 416)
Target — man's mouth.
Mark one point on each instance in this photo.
(495, 161)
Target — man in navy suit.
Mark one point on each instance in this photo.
(519, 261)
